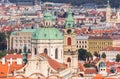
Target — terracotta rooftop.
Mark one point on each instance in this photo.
(54, 64)
(6, 68)
(98, 76)
(90, 71)
(99, 37)
(81, 67)
(14, 56)
(111, 49)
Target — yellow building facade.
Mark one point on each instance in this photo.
(97, 43)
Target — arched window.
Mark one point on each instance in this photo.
(29, 51)
(16, 50)
(20, 50)
(46, 23)
(45, 51)
(69, 41)
(56, 53)
(35, 50)
(69, 59)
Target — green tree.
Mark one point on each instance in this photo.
(96, 54)
(103, 55)
(118, 57)
(2, 54)
(8, 38)
(87, 65)
(83, 54)
(89, 55)
(3, 42)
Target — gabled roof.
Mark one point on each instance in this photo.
(54, 64)
(90, 71)
(13, 56)
(99, 37)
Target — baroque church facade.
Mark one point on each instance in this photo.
(53, 52)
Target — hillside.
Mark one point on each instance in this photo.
(113, 3)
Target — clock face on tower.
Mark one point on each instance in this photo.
(69, 31)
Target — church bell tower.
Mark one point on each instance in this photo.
(108, 12)
(70, 51)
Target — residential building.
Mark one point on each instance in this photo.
(111, 53)
(116, 41)
(82, 42)
(19, 38)
(97, 43)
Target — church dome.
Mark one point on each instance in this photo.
(47, 34)
(102, 64)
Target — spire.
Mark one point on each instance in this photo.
(108, 3)
(53, 15)
(25, 55)
(47, 15)
(69, 20)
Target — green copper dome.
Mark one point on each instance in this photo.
(69, 20)
(47, 34)
(47, 16)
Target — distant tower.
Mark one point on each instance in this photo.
(25, 55)
(118, 16)
(108, 12)
(36, 2)
(47, 22)
(53, 16)
(70, 52)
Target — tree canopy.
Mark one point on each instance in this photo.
(83, 54)
(96, 54)
(118, 57)
(3, 44)
(103, 55)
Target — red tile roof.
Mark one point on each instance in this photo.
(54, 64)
(111, 49)
(99, 37)
(13, 56)
(90, 71)
(5, 69)
(81, 67)
(98, 76)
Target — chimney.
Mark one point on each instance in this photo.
(3, 61)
